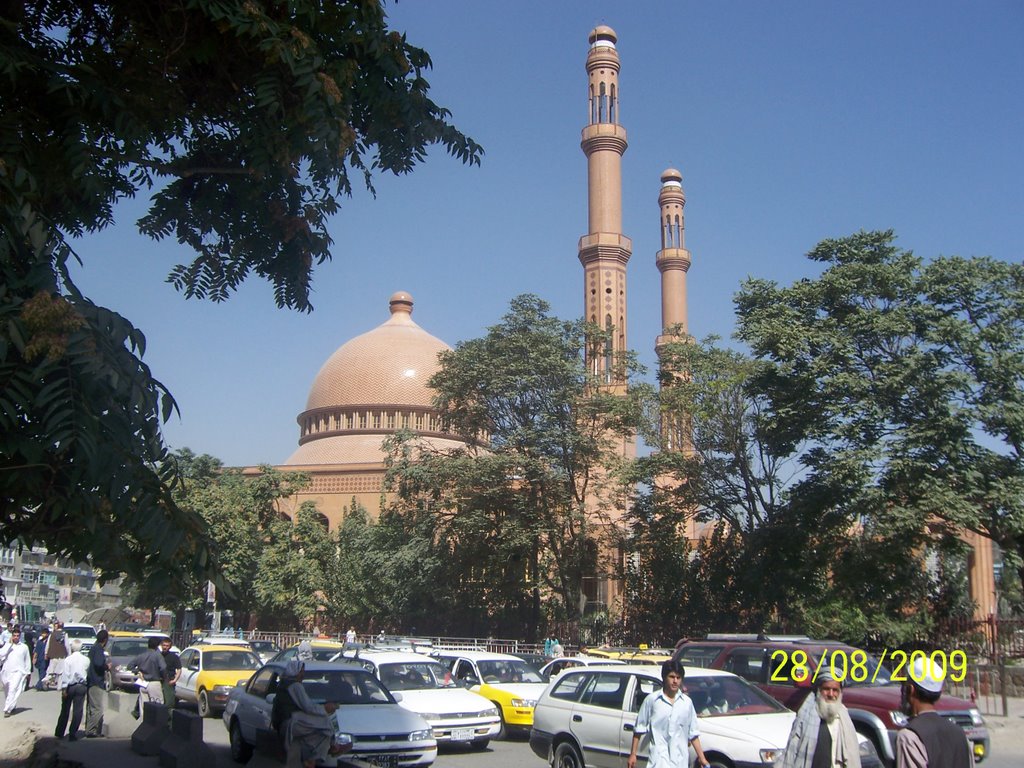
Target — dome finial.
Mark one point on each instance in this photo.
(401, 302)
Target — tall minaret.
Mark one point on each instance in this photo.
(673, 262)
(604, 250)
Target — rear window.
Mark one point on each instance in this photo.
(127, 646)
(80, 633)
(227, 660)
(699, 655)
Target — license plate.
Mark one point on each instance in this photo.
(384, 761)
(463, 734)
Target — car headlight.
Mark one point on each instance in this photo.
(120, 668)
(768, 755)
(421, 735)
(343, 738)
(222, 688)
(898, 718)
(976, 718)
(520, 703)
(492, 712)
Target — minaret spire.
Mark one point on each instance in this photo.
(604, 250)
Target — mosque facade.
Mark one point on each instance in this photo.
(376, 383)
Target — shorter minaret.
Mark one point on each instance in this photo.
(673, 259)
(673, 262)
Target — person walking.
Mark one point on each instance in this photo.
(929, 740)
(822, 735)
(56, 653)
(172, 674)
(668, 720)
(40, 659)
(73, 689)
(152, 667)
(96, 682)
(17, 666)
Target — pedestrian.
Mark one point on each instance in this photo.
(17, 666)
(56, 653)
(302, 722)
(557, 651)
(350, 636)
(929, 740)
(96, 681)
(822, 735)
(172, 674)
(40, 658)
(152, 668)
(547, 647)
(5, 633)
(73, 689)
(304, 651)
(668, 720)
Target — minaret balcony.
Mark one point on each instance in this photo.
(673, 258)
(604, 136)
(604, 246)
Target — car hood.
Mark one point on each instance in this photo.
(764, 731)
(225, 677)
(444, 701)
(376, 719)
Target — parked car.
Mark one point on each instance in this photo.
(121, 649)
(555, 666)
(323, 650)
(368, 716)
(507, 681)
(425, 686)
(874, 704)
(265, 649)
(84, 632)
(210, 672)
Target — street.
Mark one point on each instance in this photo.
(42, 708)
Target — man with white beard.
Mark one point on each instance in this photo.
(823, 735)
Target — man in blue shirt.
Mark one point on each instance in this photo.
(668, 719)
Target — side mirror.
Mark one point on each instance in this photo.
(397, 696)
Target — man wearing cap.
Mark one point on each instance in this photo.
(823, 735)
(929, 740)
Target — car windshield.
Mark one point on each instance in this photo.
(514, 671)
(842, 660)
(354, 686)
(80, 632)
(127, 646)
(263, 646)
(416, 677)
(225, 660)
(723, 696)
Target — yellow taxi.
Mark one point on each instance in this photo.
(507, 681)
(209, 672)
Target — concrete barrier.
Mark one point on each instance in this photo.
(185, 748)
(152, 731)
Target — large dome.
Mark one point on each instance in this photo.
(389, 365)
(370, 387)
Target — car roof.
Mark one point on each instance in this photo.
(474, 655)
(391, 657)
(322, 666)
(653, 670)
(218, 647)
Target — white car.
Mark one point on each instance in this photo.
(555, 666)
(425, 686)
(368, 717)
(84, 632)
(585, 717)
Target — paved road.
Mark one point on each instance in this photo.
(39, 711)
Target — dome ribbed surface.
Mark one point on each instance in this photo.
(389, 365)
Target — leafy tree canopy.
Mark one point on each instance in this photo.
(244, 119)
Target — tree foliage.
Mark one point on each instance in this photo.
(244, 119)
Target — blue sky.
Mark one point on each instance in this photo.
(790, 121)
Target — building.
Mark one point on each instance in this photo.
(39, 584)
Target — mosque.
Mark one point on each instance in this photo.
(376, 383)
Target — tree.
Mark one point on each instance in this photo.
(537, 480)
(907, 378)
(245, 118)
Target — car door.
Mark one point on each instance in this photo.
(597, 718)
(190, 666)
(254, 711)
(641, 686)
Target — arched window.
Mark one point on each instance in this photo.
(602, 110)
(612, 107)
(666, 233)
(678, 234)
(593, 106)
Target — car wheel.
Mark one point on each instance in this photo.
(241, 751)
(567, 756)
(479, 744)
(203, 704)
(502, 728)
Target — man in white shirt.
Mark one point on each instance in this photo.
(73, 688)
(668, 719)
(17, 666)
